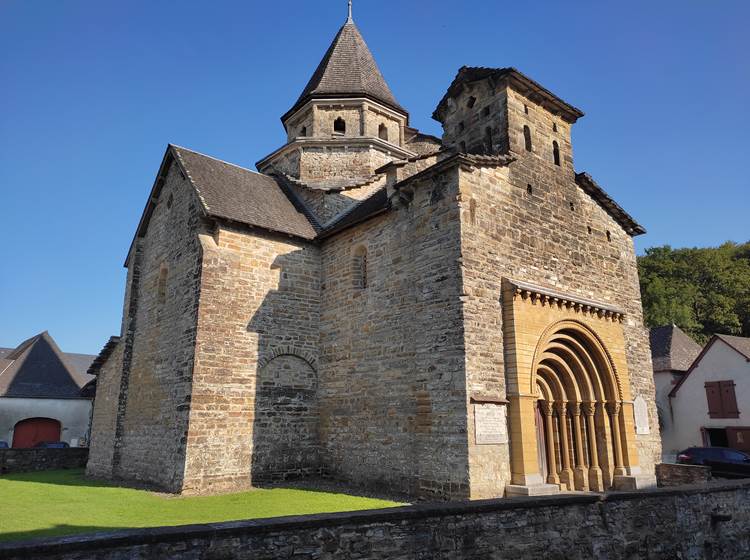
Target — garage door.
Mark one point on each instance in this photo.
(31, 431)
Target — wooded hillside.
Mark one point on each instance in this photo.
(702, 290)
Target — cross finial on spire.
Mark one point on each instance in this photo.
(349, 19)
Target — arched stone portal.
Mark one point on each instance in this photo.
(581, 405)
(570, 412)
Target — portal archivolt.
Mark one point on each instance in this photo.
(581, 433)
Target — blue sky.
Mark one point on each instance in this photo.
(92, 91)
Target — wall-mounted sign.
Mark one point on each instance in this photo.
(490, 424)
(640, 410)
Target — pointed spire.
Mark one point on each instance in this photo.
(348, 69)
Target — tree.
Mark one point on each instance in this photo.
(704, 291)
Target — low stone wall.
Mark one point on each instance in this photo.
(25, 460)
(710, 521)
(669, 474)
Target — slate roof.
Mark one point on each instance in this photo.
(373, 205)
(96, 365)
(37, 368)
(520, 82)
(672, 349)
(230, 192)
(348, 69)
(739, 343)
(590, 187)
(238, 194)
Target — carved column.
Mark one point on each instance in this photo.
(552, 477)
(595, 472)
(581, 473)
(614, 409)
(566, 473)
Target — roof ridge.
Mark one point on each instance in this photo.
(217, 159)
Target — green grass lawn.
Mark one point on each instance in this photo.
(52, 503)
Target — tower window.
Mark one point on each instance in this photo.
(303, 131)
(486, 112)
(339, 126)
(383, 132)
(170, 201)
(461, 126)
(609, 236)
(526, 109)
(529, 189)
(556, 152)
(470, 103)
(161, 288)
(527, 137)
(554, 127)
(572, 207)
(589, 229)
(462, 145)
(488, 140)
(359, 268)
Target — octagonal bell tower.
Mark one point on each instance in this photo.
(346, 123)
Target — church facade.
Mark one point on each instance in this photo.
(453, 317)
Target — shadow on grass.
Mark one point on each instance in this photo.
(64, 477)
(332, 487)
(17, 537)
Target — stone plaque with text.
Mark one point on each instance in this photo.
(640, 411)
(490, 425)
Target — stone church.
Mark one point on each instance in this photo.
(448, 318)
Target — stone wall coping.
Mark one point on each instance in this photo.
(686, 466)
(130, 537)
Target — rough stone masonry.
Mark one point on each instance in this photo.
(453, 317)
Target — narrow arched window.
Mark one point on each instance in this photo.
(161, 288)
(488, 140)
(359, 268)
(339, 126)
(303, 131)
(556, 152)
(383, 132)
(527, 137)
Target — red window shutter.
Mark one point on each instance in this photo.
(713, 396)
(728, 399)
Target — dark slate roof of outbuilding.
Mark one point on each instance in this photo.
(672, 349)
(240, 195)
(37, 368)
(348, 69)
(739, 343)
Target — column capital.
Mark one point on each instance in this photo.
(589, 408)
(575, 409)
(561, 407)
(548, 407)
(614, 407)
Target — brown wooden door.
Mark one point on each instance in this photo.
(31, 431)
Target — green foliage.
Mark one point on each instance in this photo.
(704, 291)
(50, 503)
